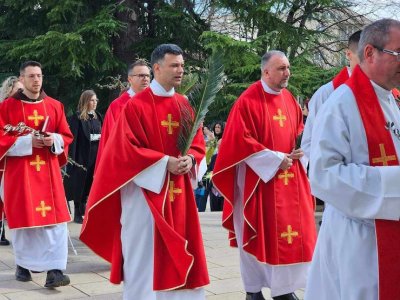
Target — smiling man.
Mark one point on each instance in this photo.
(144, 220)
(268, 207)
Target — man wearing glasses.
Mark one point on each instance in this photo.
(32, 188)
(355, 169)
(139, 79)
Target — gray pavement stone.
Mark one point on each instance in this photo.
(89, 274)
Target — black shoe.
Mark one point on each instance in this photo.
(22, 274)
(291, 296)
(254, 296)
(78, 219)
(56, 278)
(4, 242)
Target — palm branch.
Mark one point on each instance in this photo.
(201, 97)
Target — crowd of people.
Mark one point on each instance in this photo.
(138, 196)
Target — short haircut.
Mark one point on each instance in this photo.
(376, 34)
(353, 41)
(268, 55)
(160, 51)
(139, 62)
(29, 63)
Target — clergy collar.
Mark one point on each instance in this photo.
(348, 71)
(159, 90)
(131, 92)
(19, 95)
(267, 89)
(381, 92)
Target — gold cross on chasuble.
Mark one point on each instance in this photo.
(35, 117)
(37, 163)
(285, 176)
(289, 234)
(384, 158)
(173, 191)
(170, 124)
(279, 117)
(43, 208)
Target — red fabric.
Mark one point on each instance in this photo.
(387, 232)
(269, 208)
(340, 78)
(137, 142)
(110, 118)
(38, 185)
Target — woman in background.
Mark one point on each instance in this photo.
(85, 125)
(8, 88)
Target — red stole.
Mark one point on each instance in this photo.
(146, 131)
(380, 144)
(39, 199)
(340, 78)
(279, 215)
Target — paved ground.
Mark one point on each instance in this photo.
(89, 273)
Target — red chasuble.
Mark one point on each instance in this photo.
(382, 152)
(146, 131)
(33, 191)
(340, 78)
(279, 226)
(110, 118)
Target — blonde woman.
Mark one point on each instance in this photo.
(9, 87)
(85, 125)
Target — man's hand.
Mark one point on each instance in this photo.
(40, 142)
(37, 142)
(48, 140)
(286, 163)
(185, 164)
(296, 154)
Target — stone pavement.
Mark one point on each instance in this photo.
(89, 273)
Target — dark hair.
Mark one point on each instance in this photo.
(139, 62)
(222, 124)
(353, 41)
(29, 63)
(159, 52)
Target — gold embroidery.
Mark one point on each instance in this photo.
(279, 117)
(384, 158)
(285, 176)
(43, 208)
(289, 234)
(173, 191)
(37, 163)
(170, 124)
(35, 117)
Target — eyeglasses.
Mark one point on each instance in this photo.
(394, 53)
(141, 76)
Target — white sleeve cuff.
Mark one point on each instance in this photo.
(390, 186)
(22, 146)
(153, 177)
(265, 163)
(58, 145)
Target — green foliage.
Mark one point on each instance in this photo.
(200, 99)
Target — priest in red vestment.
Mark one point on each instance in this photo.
(268, 208)
(139, 79)
(32, 190)
(150, 230)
